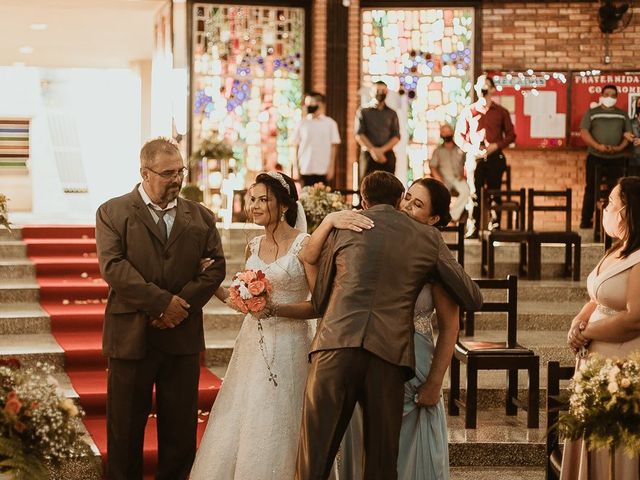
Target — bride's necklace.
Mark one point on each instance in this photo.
(263, 349)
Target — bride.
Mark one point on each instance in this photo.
(255, 422)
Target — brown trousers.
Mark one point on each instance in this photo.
(129, 394)
(337, 380)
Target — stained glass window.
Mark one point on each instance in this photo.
(247, 81)
(426, 56)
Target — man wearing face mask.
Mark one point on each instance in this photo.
(483, 131)
(447, 165)
(317, 138)
(377, 132)
(602, 128)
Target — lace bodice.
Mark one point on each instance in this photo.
(423, 311)
(286, 273)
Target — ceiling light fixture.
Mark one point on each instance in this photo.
(38, 26)
(26, 50)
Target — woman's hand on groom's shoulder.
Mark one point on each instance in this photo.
(350, 220)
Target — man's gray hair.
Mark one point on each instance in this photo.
(155, 146)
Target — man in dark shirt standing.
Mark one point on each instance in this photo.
(603, 129)
(483, 131)
(377, 132)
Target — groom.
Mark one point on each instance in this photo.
(363, 353)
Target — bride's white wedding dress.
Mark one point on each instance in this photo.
(254, 426)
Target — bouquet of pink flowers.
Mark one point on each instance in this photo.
(250, 291)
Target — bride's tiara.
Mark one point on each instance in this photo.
(278, 176)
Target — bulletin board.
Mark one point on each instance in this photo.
(586, 88)
(537, 103)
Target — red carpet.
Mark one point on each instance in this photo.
(74, 295)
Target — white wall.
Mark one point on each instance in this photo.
(105, 105)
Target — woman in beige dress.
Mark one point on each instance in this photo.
(609, 323)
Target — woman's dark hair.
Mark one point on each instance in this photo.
(630, 196)
(284, 198)
(440, 199)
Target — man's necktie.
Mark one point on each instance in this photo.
(162, 225)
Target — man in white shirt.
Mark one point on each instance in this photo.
(317, 138)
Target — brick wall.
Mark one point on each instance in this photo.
(319, 46)
(517, 36)
(551, 36)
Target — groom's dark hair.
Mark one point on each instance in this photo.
(381, 188)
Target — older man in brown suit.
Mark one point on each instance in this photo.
(150, 246)
(363, 351)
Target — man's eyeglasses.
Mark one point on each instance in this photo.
(169, 174)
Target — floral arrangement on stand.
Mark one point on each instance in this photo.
(319, 201)
(604, 405)
(39, 426)
(213, 149)
(4, 212)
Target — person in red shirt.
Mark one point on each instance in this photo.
(483, 131)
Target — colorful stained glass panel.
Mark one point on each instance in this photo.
(426, 56)
(247, 81)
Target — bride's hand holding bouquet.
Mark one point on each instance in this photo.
(250, 292)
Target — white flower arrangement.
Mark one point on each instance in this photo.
(39, 426)
(604, 404)
(319, 201)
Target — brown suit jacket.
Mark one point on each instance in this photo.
(143, 274)
(368, 284)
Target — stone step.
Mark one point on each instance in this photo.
(19, 291)
(17, 270)
(554, 253)
(12, 250)
(498, 441)
(23, 318)
(551, 291)
(497, 473)
(533, 315)
(32, 348)
(14, 234)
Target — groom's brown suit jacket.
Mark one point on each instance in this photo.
(368, 284)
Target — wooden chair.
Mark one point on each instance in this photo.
(458, 245)
(567, 237)
(509, 356)
(514, 201)
(494, 208)
(555, 373)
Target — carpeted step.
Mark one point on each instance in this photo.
(56, 266)
(75, 317)
(63, 247)
(72, 288)
(91, 386)
(96, 425)
(58, 231)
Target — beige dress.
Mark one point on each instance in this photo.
(609, 290)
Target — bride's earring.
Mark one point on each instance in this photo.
(282, 217)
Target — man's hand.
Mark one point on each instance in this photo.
(603, 148)
(428, 394)
(378, 155)
(205, 263)
(492, 148)
(630, 137)
(175, 313)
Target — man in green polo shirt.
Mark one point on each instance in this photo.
(602, 128)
